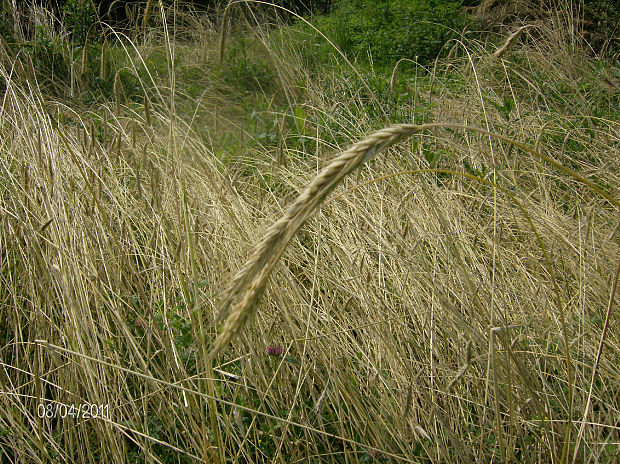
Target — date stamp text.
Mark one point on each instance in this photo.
(77, 411)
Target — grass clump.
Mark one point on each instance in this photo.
(448, 299)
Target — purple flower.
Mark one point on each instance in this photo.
(274, 350)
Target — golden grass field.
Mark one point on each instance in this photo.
(430, 268)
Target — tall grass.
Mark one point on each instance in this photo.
(450, 300)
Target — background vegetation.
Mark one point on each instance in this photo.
(453, 300)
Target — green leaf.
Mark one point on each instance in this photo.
(290, 359)
(300, 119)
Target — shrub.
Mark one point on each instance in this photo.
(6, 25)
(392, 29)
(49, 54)
(79, 17)
(601, 19)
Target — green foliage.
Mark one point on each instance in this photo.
(506, 108)
(49, 55)
(244, 69)
(52, 51)
(6, 27)
(388, 30)
(160, 431)
(601, 19)
(79, 17)
(265, 126)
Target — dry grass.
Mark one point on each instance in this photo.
(450, 301)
